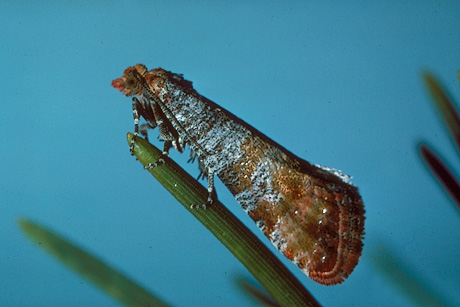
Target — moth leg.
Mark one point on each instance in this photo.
(136, 103)
(143, 130)
(211, 192)
(140, 111)
(167, 131)
(165, 153)
(166, 147)
(153, 165)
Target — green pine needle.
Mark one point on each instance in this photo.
(252, 253)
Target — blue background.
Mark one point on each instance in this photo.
(337, 84)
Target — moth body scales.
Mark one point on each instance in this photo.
(311, 214)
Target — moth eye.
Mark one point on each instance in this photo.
(130, 82)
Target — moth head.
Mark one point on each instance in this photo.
(132, 81)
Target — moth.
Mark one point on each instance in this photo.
(312, 214)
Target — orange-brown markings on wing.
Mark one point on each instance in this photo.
(296, 216)
(312, 226)
(247, 164)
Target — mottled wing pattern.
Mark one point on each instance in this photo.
(313, 216)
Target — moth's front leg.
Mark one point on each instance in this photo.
(136, 106)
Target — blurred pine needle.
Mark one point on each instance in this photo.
(451, 118)
(406, 280)
(255, 293)
(409, 282)
(96, 271)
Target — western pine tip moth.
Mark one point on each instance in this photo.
(311, 214)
